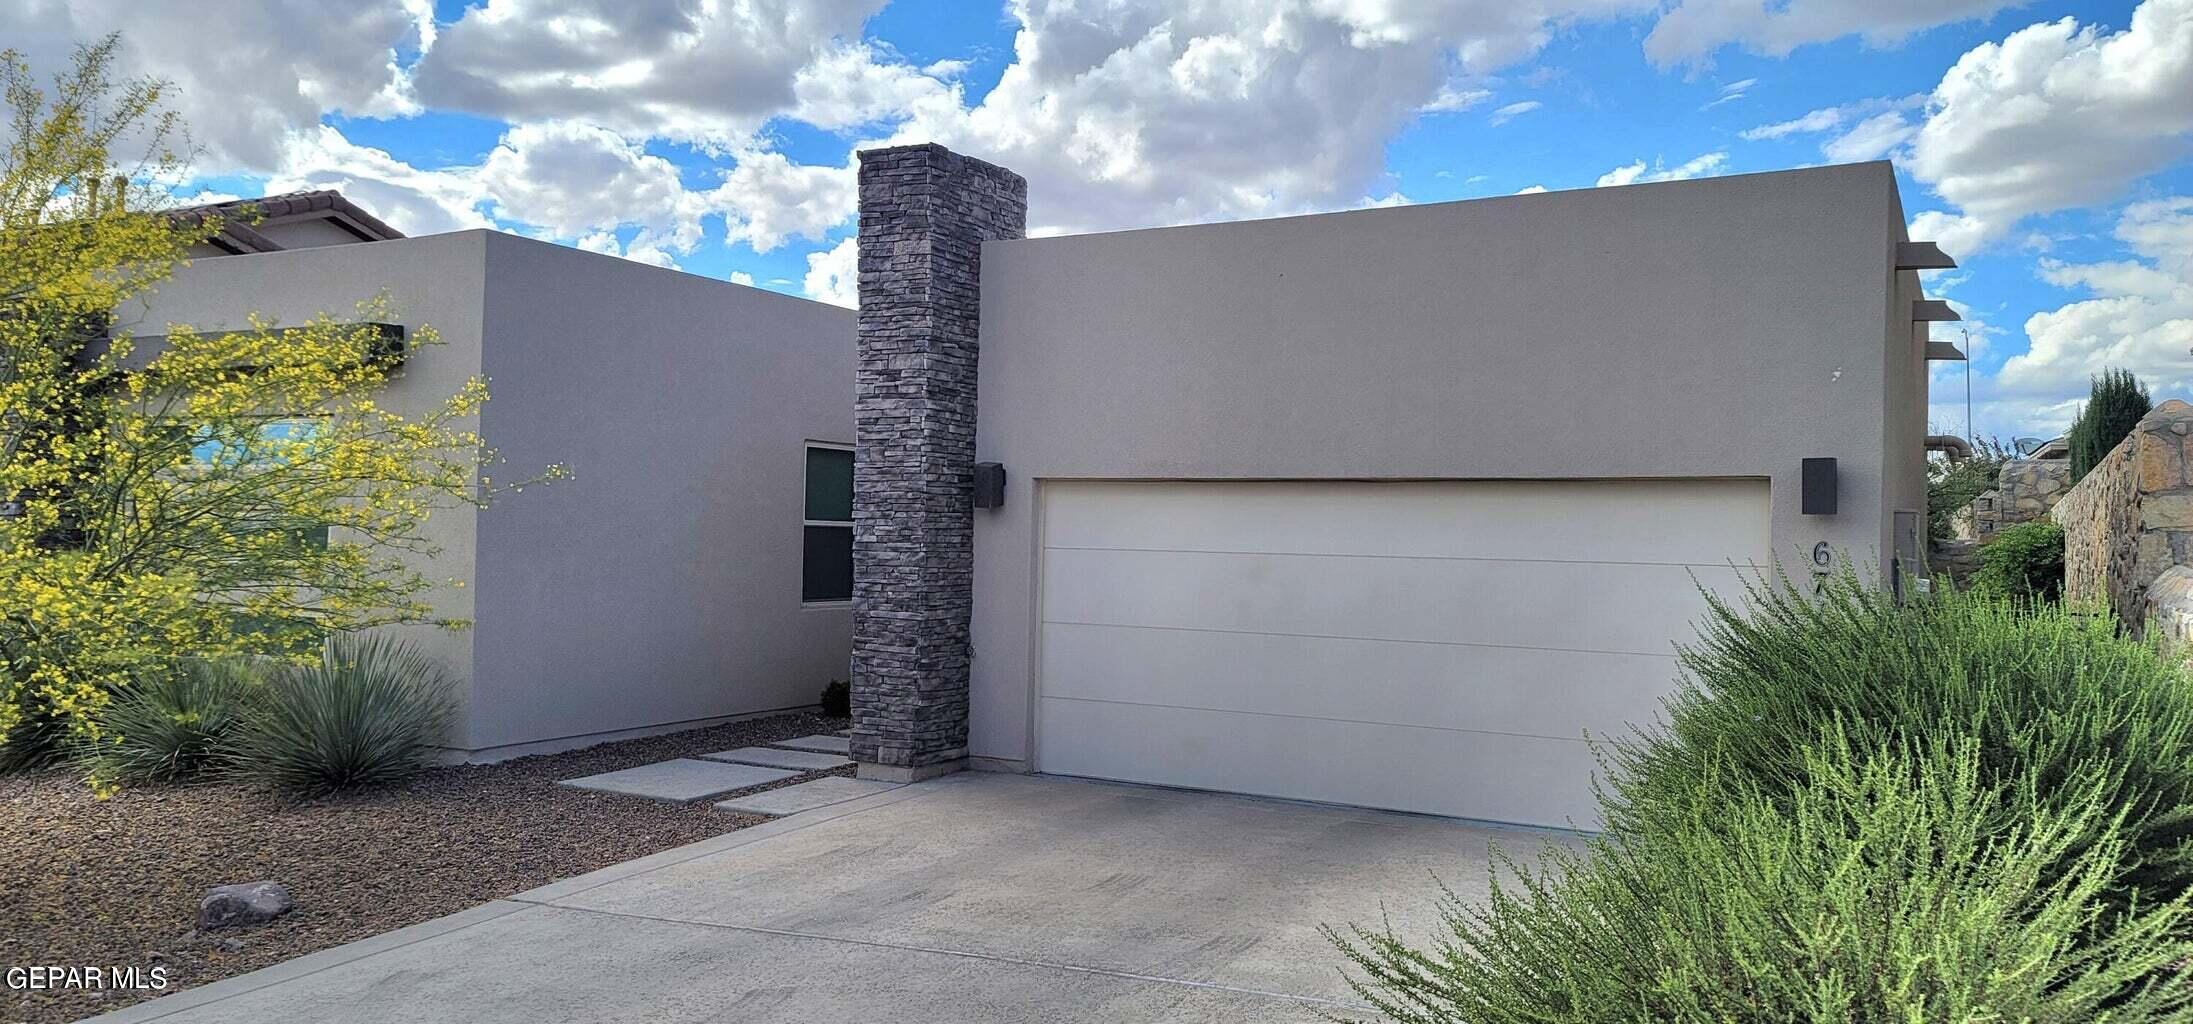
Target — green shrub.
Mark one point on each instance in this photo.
(2045, 693)
(2114, 405)
(837, 699)
(170, 725)
(2025, 562)
(1886, 884)
(1952, 484)
(371, 711)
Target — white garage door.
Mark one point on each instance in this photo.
(1441, 647)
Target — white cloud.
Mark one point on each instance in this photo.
(1732, 92)
(705, 73)
(572, 179)
(833, 274)
(742, 277)
(1452, 98)
(245, 73)
(1530, 190)
(2057, 115)
(1870, 139)
(1139, 112)
(1703, 166)
(567, 181)
(1817, 121)
(767, 199)
(1693, 30)
(2139, 315)
(1514, 110)
(414, 201)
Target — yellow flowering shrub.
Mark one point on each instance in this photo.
(213, 494)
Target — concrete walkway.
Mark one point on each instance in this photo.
(976, 897)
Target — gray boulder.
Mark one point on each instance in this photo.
(231, 906)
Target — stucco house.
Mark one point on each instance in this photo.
(696, 567)
(1392, 507)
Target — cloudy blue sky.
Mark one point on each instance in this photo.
(2048, 145)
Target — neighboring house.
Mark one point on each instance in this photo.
(698, 564)
(1391, 507)
(2025, 489)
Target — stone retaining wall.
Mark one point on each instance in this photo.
(2131, 519)
(2025, 490)
(2169, 607)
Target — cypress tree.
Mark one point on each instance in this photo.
(2112, 409)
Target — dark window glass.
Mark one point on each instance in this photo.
(829, 485)
(827, 564)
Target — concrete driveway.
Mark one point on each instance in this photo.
(976, 897)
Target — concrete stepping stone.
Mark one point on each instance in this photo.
(680, 781)
(819, 744)
(797, 760)
(822, 792)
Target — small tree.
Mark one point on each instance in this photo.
(1951, 484)
(2113, 407)
(237, 493)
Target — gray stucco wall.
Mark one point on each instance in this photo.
(1729, 327)
(434, 281)
(661, 585)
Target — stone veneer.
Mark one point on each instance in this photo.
(924, 213)
(2131, 518)
(2025, 489)
(2169, 608)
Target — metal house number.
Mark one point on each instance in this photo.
(1823, 560)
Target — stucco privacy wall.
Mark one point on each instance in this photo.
(660, 585)
(433, 281)
(2131, 517)
(1721, 328)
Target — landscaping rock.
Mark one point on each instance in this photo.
(232, 906)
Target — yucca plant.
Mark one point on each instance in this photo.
(371, 711)
(171, 724)
(1879, 884)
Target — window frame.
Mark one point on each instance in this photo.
(847, 524)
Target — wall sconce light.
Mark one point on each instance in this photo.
(989, 484)
(1816, 493)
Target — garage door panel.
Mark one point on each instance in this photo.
(1682, 521)
(1521, 779)
(1556, 694)
(1625, 607)
(1434, 646)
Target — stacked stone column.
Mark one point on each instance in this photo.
(924, 213)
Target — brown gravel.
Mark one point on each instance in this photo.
(117, 883)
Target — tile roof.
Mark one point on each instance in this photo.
(239, 235)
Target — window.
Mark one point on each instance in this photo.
(826, 554)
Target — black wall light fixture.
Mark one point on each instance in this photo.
(989, 485)
(1816, 494)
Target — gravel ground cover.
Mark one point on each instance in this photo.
(117, 883)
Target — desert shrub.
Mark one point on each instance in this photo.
(837, 699)
(171, 724)
(2115, 402)
(370, 711)
(2025, 562)
(2046, 694)
(1875, 885)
